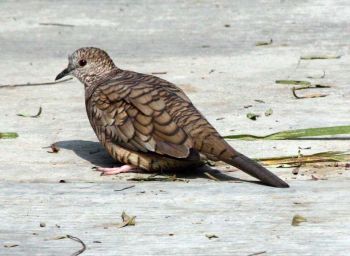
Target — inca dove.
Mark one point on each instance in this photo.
(148, 123)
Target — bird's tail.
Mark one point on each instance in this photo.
(254, 169)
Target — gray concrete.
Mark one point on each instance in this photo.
(187, 40)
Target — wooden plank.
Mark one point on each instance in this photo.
(209, 49)
(247, 218)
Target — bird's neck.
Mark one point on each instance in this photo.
(96, 78)
(92, 82)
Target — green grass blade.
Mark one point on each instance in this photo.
(295, 134)
(8, 135)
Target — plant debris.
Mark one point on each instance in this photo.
(304, 85)
(320, 57)
(313, 86)
(211, 236)
(154, 178)
(127, 220)
(269, 112)
(294, 82)
(318, 77)
(35, 84)
(297, 219)
(252, 116)
(329, 156)
(260, 101)
(54, 148)
(248, 106)
(76, 239)
(56, 24)
(257, 253)
(42, 224)
(8, 135)
(32, 116)
(304, 148)
(210, 176)
(159, 73)
(310, 96)
(117, 190)
(295, 134)
(8, 245)
(263, 43)
(56, 238)
(296, 170)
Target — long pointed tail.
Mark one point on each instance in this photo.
(254, 169)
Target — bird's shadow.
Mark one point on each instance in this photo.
(94, 153)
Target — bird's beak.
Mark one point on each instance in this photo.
(65, 72)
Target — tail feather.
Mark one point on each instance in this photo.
(254, 169)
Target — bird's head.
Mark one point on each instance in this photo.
(87, 64)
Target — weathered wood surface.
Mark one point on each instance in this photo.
(208, 48)
(247, 218)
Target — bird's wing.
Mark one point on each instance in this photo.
(145, 114)
(136, 117)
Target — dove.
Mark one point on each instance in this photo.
(148, 123)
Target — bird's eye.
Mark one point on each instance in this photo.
(82, 63)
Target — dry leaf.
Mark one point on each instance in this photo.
(263, 43)
(297, 219)
(54, 148)
(259, 101)
(269, 112)
(252, 116)
(127, 220)
(10, 245)
(211, 236)
(56, 238)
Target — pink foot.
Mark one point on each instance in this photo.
(116, 170)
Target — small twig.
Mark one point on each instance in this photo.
(56, 24)
(35, 84)
(263, 43)
(32, 116)
(308, 96)
(117, 190)
(159, 73)
(295, 82)
(76, 239)
(320, 57)
(211, 176)
(294, 93)
(257, 253)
